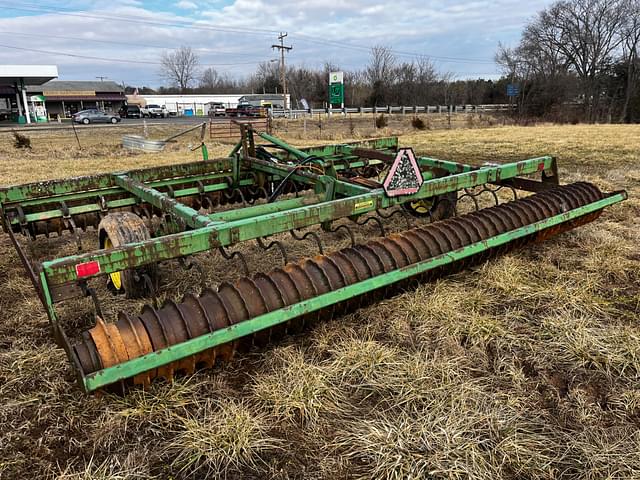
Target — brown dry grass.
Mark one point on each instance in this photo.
(527, 367)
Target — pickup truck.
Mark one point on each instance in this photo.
(246, 110)
(216, 109)
(155, 111)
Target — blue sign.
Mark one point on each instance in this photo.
(513, 90)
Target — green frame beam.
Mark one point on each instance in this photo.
(163, 201)
(213, 235)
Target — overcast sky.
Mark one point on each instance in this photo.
(234, 35)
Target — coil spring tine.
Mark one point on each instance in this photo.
(150, 287)
(278, 244)
(472, 196)
(189, 263)
(90, 292)
(495, 196)
(68, 220)
(399, 211)
(243, 200)
(352, 237)
(264, 192)
(228, 197)
(295, 186)
(374, 219)
(252, 175)
(232, 255)
(408, 218)
(313, 235)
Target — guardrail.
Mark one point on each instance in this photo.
(389, 109)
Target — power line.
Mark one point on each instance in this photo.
(250, 31)
(130, 44)
(116, 60)
(309, 39)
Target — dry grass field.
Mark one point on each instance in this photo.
(526, 367)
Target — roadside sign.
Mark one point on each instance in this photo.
(404, 177)
(336, 77)
(336, 93)
(513, 90)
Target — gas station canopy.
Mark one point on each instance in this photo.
(27, 74)
(19, 76)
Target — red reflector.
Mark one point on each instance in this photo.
(87, 269)
(541, 166)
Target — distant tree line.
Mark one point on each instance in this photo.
(576, 60)
(385, 80)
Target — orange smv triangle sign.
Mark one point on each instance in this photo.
(404, 177)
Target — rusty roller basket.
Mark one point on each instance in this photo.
(164, 214)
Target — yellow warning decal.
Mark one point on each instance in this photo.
(367, 204)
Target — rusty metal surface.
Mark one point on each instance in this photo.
(365, 181)
(373, 154)
(247, 298)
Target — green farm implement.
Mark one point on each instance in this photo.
(128, 226)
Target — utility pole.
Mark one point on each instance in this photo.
(283, 77)
(102, 79)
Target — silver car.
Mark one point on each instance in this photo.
(95, 116)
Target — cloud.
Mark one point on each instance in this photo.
(186, 5)
(235, 35)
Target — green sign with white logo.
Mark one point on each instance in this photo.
(336, 93)
(336, 88)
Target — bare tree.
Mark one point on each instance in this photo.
(585, 32)
(180, 67)
(630, 34)
(266, 79)
(209, 79)
(381, 73)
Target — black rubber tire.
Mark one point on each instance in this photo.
(444, 206)
(122, 228)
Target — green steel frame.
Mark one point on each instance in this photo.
(332, 197)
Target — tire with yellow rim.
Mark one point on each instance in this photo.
(117, 230)
(438, 207)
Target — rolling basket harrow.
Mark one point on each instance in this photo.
(175, 213)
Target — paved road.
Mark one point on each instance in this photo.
(7, 126)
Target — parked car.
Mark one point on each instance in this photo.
(216, 109)
(95, 116)
(155, 111)
(130, 111)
